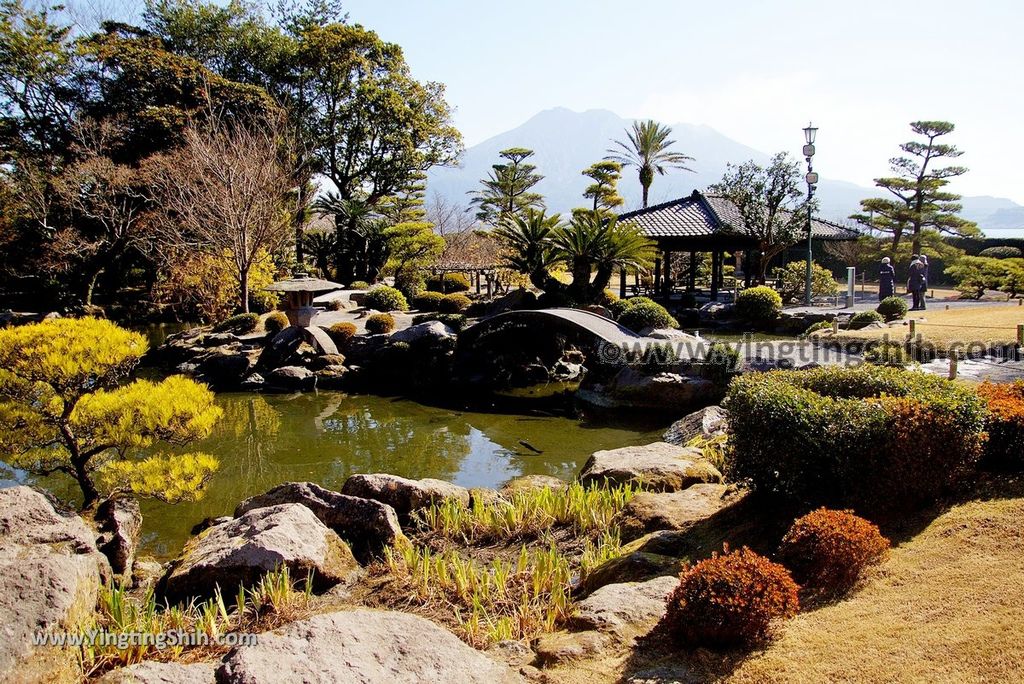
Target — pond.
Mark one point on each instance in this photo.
(324, 437)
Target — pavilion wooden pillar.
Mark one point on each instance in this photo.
(715, 271)
(691, 286)
(622, 282)
(667, 282)
(657, 275)
(478, 282)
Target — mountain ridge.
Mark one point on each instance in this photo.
(565, 142)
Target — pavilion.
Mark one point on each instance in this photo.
(698, 224)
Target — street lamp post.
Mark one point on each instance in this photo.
(812, 179)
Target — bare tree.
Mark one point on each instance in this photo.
(108, 201)
(229, 191)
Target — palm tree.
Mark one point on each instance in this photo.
(647, 150)
(527, 241)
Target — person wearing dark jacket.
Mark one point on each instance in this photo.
(916, 283)
(886, 279)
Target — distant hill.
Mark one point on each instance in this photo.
(566, 142)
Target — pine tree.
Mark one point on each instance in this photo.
(507, 188)
(604, 190)
(920, 201)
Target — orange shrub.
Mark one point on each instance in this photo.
(1005, 448)
(341, 333)
(827, 550)
(728, 599)
(380, 323)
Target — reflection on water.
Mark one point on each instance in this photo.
(327, 436)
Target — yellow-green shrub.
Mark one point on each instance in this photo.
(759, 304)
(454, 303)
(385, 298)
(341, 333)
(275, 322)
(428, 301)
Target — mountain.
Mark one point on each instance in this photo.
(566, 142)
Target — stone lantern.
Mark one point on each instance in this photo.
(300, 291)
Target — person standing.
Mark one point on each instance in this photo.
(924, 288)
(916, 283)
(886, 279)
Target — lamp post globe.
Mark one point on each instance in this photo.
(810, 133)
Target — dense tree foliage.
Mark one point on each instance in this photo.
(920, 201)
(769, 201)
(508, 189)
(65, 407)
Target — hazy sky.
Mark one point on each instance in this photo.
(757, 71)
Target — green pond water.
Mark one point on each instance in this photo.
(324, 437)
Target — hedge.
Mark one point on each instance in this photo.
(759, 304)
(871, 438)
(384, 298)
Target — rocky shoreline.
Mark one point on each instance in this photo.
(56, 561)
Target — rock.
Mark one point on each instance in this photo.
(513, 653)
(483, 496)
(367, 525)
(218, 339)
(401, 494)
(560, 647)
(224, 369)
(146, 574)
(332, 378)
(513, 301)
(717, 310)
(669, 334)
(432, 331)
(324, 360)
(162, 673)
(120, 526)
(681, 510)
(292, 379)
(361, 646)
(50, 573)
(207, 523)
(320, 340)
(632, 566)
(525, 483)
(252, 383)
(658, 467)
(563, 371)
(281, 348)
(619, 607)
(240, 552)
(708, 422)
(631, 388)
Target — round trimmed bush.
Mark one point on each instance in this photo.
(276, 322)
(334, 304)
(1005, 446)
(447, 283)
(892, 308)
(454, 303)
(359, 285)
(865, 318)
(341, 333)
(887, 354)
(428, 301)
(646, 314)
(759, 304)
(871, 438)
(242, 324)
(820, 325)
(384, 298)
(828, 550)
(1001, 252)
(730, 599)
(380, 323)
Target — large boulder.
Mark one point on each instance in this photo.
(240, 552)
(513, 301)
(367, 525)
(682, 510)
(622, 607)
(292, 379)
(325, 360)
(120, 525)
(402, 494)
(224, 369)
(334, 377)
(151, 672)
(658, 467)
(50, 573)
(708, 422)
(366, 646)
(281, 349)
(430, 332)
(630, 388)
(631, 566)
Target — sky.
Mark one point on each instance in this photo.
(756, 71)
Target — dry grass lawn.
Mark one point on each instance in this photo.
(988, 325)
(947, 605)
